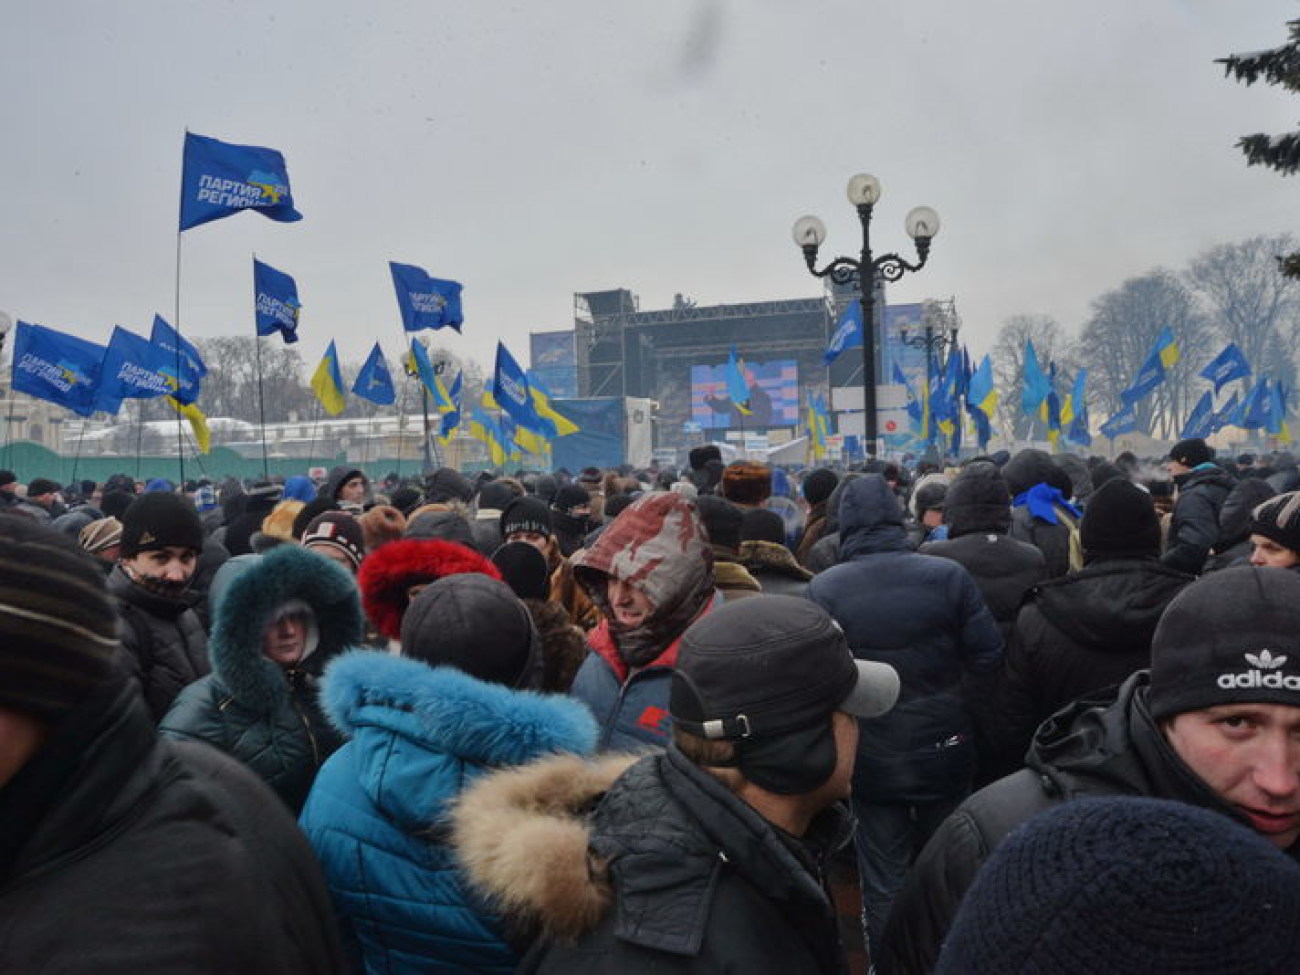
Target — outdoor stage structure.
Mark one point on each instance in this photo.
(677, 358)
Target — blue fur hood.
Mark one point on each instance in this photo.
(248, 603)
(419, 732)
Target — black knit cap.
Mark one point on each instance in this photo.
(477, 625)
(1128, 884)
(1191, 452)
(722, 520)
(58, 625)
(526, 514)
(41, 485)
(699, 456)
(1278, 518)
(524, 569)
(7, 477)
(819, 484)
(1231, 637)
(569, 497)
(762, 525)
(159, 520)
(1120, 522)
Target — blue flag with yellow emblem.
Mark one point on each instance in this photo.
(219, 179)
(374, 381)
(56, 367)
(275, 302)
(425, 301)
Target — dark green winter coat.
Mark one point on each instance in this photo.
(251, 708)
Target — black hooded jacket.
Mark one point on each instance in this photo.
(1105, 746)
(1087, 631)
(1194, 528)
(121, 853)
(924, 617)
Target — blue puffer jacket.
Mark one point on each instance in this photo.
(926, 618)
(377, 813)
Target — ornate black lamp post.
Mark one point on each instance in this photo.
(922, 224)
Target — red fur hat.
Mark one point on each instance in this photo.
(388, 573)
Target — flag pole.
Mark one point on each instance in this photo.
(315, 428)
(180, 429)
(76, 458)
(139, 435)
(261, 403)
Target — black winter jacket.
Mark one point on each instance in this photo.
(1194, 528)
(121, 853)
(1004, 570)
(163, 639)
(253, 709)
(923, 616)
(702, 883)
(1075, 635)
(1104, 746)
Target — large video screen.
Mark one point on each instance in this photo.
(773, 399)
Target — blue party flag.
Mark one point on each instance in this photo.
(1200, 422)
(1125, 421)
(426, 302)
(134, 368)
(56, 367)
(1228, 365)
(848, 332)
(511, 391)
(192, 367)
(374, 382)
(275, 301)
(1226, 415)
(327, 382)
(219, 179)
(1036, 384)
(1255, 408)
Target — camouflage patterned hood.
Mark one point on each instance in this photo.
(658, 544)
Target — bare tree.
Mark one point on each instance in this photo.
(231, 386)
(1249, 303)
(1122, 331)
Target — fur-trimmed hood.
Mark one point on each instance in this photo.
(450, 727)
(248, 603)
(771, 558)
(389, 571)
(522, 838)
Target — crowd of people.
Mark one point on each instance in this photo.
(1033, 713)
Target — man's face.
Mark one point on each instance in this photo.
(628, 603)
(165, 570)
(285, 640)
(1175, 467)
(536, 539)
(353, 490)
(932, 518)
(21, 736)
(1269, 554)
(1250, 755)
(332, 553)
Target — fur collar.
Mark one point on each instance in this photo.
(448, 712)
(389, 571)
(772, 558)
(250, 602)
(522, 837)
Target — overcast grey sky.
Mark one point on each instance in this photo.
(533, 150)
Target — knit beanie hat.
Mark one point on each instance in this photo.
(722, 521)
(1231, 637)
(978, 500)
(524, 569)
(762, 525)
(115, 503)
(337, 530)
(477, 625)
(699, 456)
(7, 478)
(448, 484)
(569, 497)
(41, 485)
(406, 499)
(156, 521)
(526, 514)
(746, 482)
(495, 495)
(1278, 518)
(1120, 521)
(58, 625)
(1129, 884)
(818, 485)
(1191, 452)
(381, 524)
(101, 534)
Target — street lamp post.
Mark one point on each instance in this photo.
(934, 342)
(922, 224)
